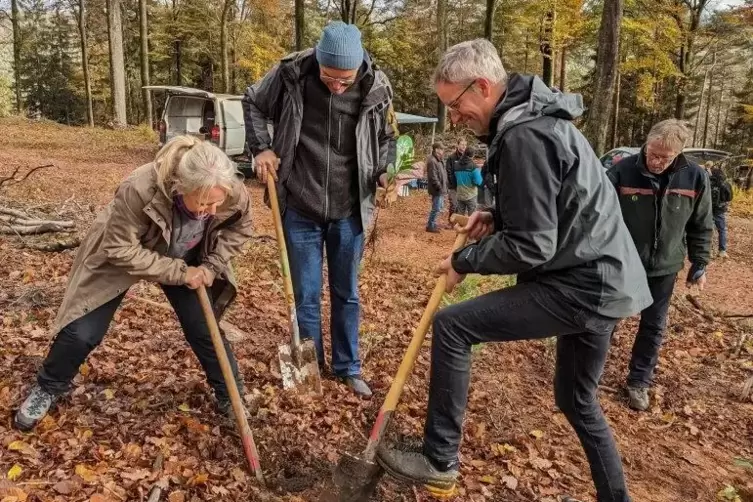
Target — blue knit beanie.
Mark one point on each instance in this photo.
(340, 47)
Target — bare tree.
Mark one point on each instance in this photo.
(300, 27)
(144, 34)
(15, 20)
(228, 4)
(117, 62)
(442, 35)
(607, 58)
(349, 11)
(708, 102)
(79, 8)
(563, 68)
(489, 23)
(546, 48)
(687, 15)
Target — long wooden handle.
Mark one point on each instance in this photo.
(284, 265)
(249, 447)
(411, 354)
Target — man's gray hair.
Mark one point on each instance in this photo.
(671, 133)
(468, 61)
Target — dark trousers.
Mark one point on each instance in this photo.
(523, 312)
(75, 341)
(720, 221)
(306, 240)
(651, 331)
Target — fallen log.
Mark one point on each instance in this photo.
(32, 230)
(54, 246)
(31, 222)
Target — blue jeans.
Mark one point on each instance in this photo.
(720, 220)
(306, 240)
(437, 202)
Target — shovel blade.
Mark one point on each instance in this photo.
(300, 369)
(356, 478)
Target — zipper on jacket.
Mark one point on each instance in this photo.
(329, 149)
(657, 210)
(339, 130)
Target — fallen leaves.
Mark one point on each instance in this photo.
(15, 472)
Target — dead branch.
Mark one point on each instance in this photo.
(33, 230)
(15, 220)
(12, 180)
(697, 304)
(231, 331)
(14, 212)
(54, 246)
(738, 316)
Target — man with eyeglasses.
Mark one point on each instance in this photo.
(334, 135)
(556, 225)
(666, 204)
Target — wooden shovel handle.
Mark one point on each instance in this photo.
(411, 354)
(249, 447)
(284, 264)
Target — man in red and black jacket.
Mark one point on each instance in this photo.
(666, 204)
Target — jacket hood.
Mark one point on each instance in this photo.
(527, 98)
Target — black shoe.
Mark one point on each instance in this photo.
(416, 468)
(433, 230)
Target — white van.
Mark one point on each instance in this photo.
(214, 117)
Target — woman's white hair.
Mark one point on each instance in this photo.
(671, 133)
(187, 164)
(468, 61)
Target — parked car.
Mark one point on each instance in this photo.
(697, 155)
(214, 117)
(617, 154)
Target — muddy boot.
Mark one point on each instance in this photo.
(568, 498)
(33, 409)
(638, 398)
(416, 468)
(722, 254)
(357, 385)
(433, 230)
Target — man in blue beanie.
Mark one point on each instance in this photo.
(334, 135)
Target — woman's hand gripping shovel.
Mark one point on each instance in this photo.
(249, 447)
(298, 365)
(357, 476)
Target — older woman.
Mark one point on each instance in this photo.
(176, 221)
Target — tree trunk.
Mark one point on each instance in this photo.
(81, 23)
(687, 50)
(719, 113)
(178, 73)
(15, 22)
(223, 46)
(607, 59)
(442, 35)
(144, 34)
(525, 61)
(616, 118)
(300, 27)
(563, 69)
(708, 102)
(348, 11)
(117, 63)
(700, 108)
(547, 53)
(489, 23)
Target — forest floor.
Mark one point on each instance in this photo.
(142, 395)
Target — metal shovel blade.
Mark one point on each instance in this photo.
(299, 369)
(356, 478)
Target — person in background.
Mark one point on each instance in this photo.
(721, 196)
(334, 136)
(436, 175)
(666, 204)
(452, 184)
(177, 222)
(468, 176)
